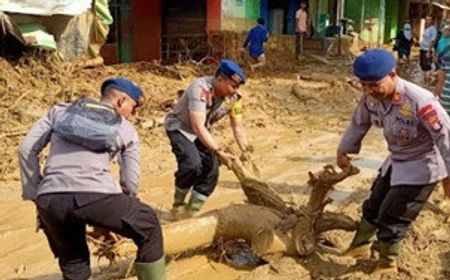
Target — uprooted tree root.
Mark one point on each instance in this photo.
(266, 223)
(299, 228)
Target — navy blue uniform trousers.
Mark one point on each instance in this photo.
(393, 208)
(64, 217)
(197, 166)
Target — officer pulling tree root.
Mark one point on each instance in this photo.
(417, 130)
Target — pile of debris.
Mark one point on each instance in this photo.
(37, 81)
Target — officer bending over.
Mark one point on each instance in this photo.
(76, 187)
(207, 100)
(417, 131)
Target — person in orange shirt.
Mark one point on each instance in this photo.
(301, 24)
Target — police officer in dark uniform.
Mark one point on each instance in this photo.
(417, 131)
(77, 188)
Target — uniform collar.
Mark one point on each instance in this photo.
(399, 92)
(209, 81)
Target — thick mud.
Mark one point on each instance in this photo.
(294, 117)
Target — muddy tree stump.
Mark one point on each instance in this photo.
(266, 222)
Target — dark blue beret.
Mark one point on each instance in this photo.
(125, 86)
(230, 69)
(373, 65)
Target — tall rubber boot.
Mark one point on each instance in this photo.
(387, 264)
(151, 271)
(179, 197)
(178, 205)
(196, 202)
(362, 241)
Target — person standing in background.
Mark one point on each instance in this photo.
(426, 47)
(442, 90)
(301, 24)
(403, 42)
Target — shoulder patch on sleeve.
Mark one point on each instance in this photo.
(431, 117)
(204, 95)
(427, 109)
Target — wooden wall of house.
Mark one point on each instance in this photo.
(392, 19)
(146, 30)
(213, 15)
(147, 26)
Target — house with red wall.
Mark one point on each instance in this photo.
(160, 30)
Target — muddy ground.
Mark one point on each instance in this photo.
(294, 114)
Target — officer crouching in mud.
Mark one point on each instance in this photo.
(76, 187)
(417, 131)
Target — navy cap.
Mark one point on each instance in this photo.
(125, 86)
(373, 65)
(230, 69)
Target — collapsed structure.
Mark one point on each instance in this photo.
(74, 29)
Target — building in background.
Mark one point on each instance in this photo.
(157, 30)
(419, 9)
(75, 29)
(178, 30)
(376, 21)
(174, 30)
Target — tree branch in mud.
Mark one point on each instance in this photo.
(310, 223)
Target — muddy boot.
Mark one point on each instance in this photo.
(179, 197)
(387, 264)
(196, 202)
(151, 271)
(362, 241)
(178, 200)
(188, 211)
(178, 206)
